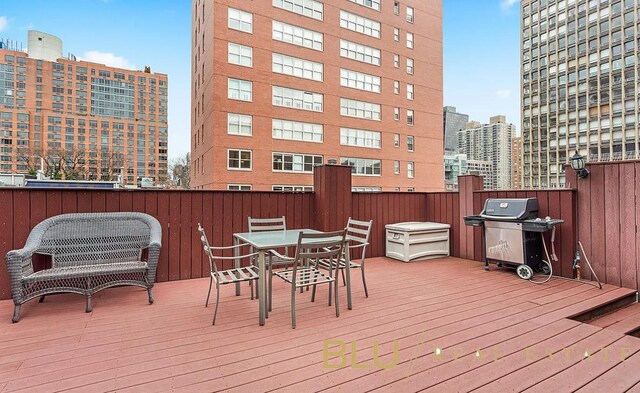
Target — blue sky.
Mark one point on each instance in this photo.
(481, 44)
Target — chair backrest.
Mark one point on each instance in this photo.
(315, 246)
(207, 249)
(359, 231)
(267, 224)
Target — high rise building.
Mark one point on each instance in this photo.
(280, 86)
(491, 143)
(454, 166)
(516, 162)
(77, 119)
(452, 122)
(579, 84)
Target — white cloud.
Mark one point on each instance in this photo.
(4, 23)
(109, 59)
(504, 93)
(506, 4)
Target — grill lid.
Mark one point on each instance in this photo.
(510, 209)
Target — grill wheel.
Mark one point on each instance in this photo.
(524, 272)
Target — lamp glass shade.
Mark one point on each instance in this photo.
(577, 162)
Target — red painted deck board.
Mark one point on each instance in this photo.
(126, 344)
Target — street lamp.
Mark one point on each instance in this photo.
(578, 165)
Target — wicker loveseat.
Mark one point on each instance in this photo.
(89, 252)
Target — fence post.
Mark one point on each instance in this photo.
(467, 184)
(332, 196)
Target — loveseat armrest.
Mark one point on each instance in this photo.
(19, 265)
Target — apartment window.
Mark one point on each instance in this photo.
(409, 40)
(375, 4)
(359, 24)
(410, 118)
(396, 34)
(238, 124)
(300, 68)
(240, 20)
(240, 89)
(396, 61)
(297, 99)
(396, 167)
(396, 114)
(363, 166)
(291, 162)
(311, 8)
(396, 140)
(409, 66)
(359, 80)
(409, 91)
(410, 167)
(239, 187)
(410, 14)
(396, 87)
(396, 7)
(239, 159)
(410, 143)
(296, 131)
(240, 55)
(360, 138)
(292, 188)
(359, 109)
(411, 189)
(366, 189)
(358, 52)
(297, 35)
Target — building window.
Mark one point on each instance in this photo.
(296, 131)
(396, 167)
(311, 8)
(359, 80)
(359, 24)
(396, 34)
(409, 91)
(366, 189)
(410, 143)
(359, 109)
(410, 14)
(297, 99)
(375, 4)
(410, 168)
(239, 159)
(299, 68)
(240, 90)
(292, 188)
(239, 187)
(238, 124)
(409, 66)
(363, 166)
(396, 7)
(396, 140)
(410, 119)
(240, 20)
(396, 61)
(358, 52)
(396, 87)
(409, 40)
(291, 162)
(396, 114)
(411, 189)
(360, 138)
(297, 35)
(240, 55)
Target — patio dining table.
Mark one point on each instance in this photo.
(262, 242)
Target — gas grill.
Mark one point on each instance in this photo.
(512, 234)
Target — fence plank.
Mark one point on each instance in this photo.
(627, 221)
(612, 223)
(597, 256)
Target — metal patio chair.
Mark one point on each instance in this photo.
(229, 276)
(312, 247)
(358, 233)
(271, 224)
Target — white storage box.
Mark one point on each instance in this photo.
(410, 241)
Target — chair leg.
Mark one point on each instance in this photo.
(89, 305)
(215, 312)
(270, 297)
(293, 307)
(150, 293)
(344, 280)
(206, 304)
(364, 282)
(313, 294)
(16, 313)
(330, 288)
(41, 299)
(251, 286)
(336, 300)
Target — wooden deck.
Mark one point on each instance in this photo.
(455, 328)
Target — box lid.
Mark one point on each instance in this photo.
(414, 226)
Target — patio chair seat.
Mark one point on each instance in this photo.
(304, 276)
(331, 264)
(230, 276)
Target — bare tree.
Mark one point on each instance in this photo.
(180, 170)
(71, 164)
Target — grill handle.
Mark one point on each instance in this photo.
(500, 217)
